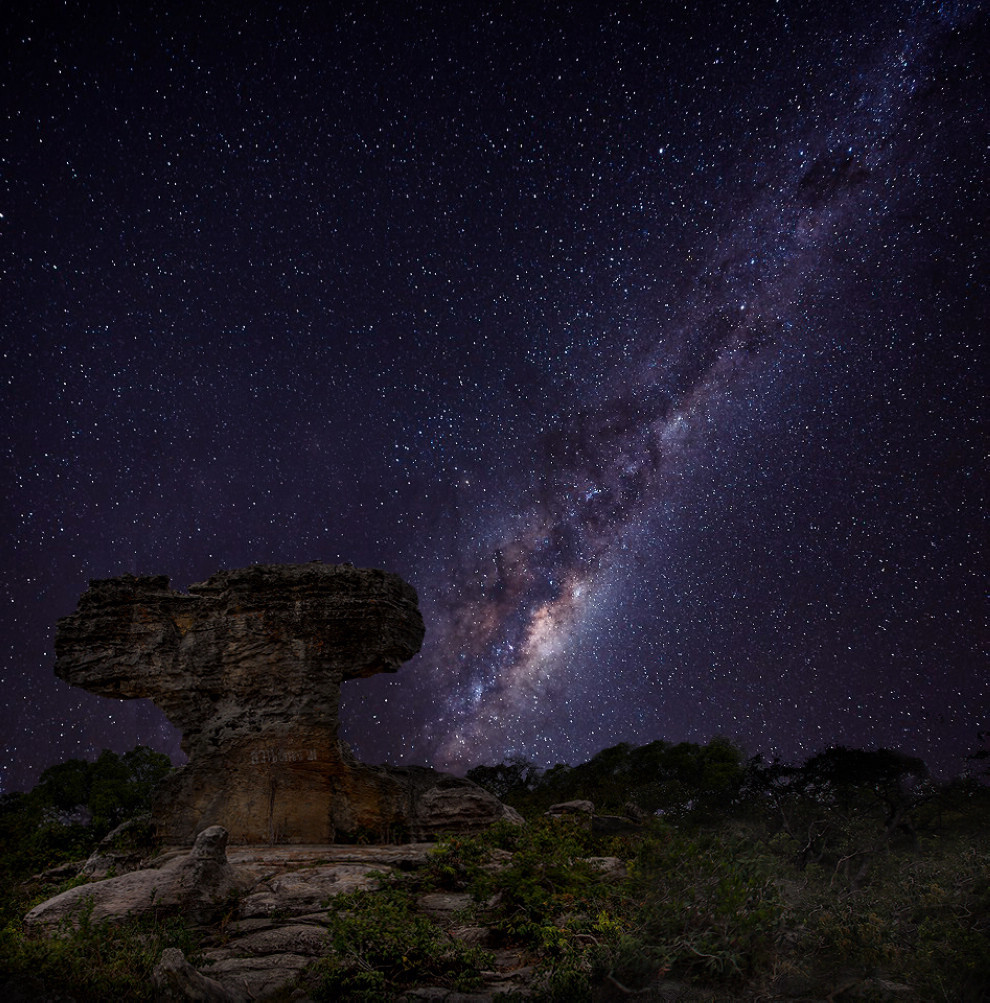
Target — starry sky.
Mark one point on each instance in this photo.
(645, 340)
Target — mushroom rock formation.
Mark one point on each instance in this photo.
(248, 665)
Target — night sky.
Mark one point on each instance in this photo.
(645, 340)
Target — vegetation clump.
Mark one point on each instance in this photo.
(379, 945)
(852, 873)
(678, 904)
(92, 961)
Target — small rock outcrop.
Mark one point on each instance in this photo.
(175, 979)
(198, 884)
(565, 808)
(248, 665)
(601, 825)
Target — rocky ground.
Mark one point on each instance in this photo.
(263, 912)
(264, 915)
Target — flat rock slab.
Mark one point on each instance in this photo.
(441, 995)
(257, 978)
(291, 938)
(401, 856)
(294, 893)
(443, 905)
(282, 881)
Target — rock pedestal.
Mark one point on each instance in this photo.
(248, 665)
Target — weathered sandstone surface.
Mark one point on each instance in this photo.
(248, 665)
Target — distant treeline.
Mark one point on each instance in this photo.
(816, 804)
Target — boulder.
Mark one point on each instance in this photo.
(610, 868)
(614, 825)
(262, 977)
(198, 884)
(303, 892)
(441, 803)
(571, 808)
(601, 825)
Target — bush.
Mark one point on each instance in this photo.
(91, 962)
(74, 805)
(703, 906)
(924, 919)
(380, 945)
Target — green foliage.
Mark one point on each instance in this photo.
(924, 919)
(534, 888)
(882, 867)
(702, 905)
(544, 887)
(381, 945)
(457, 861)
(92, 961)
(747, 875)
(842, 808)
(74, 805)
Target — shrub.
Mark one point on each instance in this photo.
(705, 905)
(92, 961)
(924, 919)
(381, 945)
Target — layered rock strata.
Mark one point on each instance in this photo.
(248, 665)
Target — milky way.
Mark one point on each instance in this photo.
(646, 344)
(505, 651)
